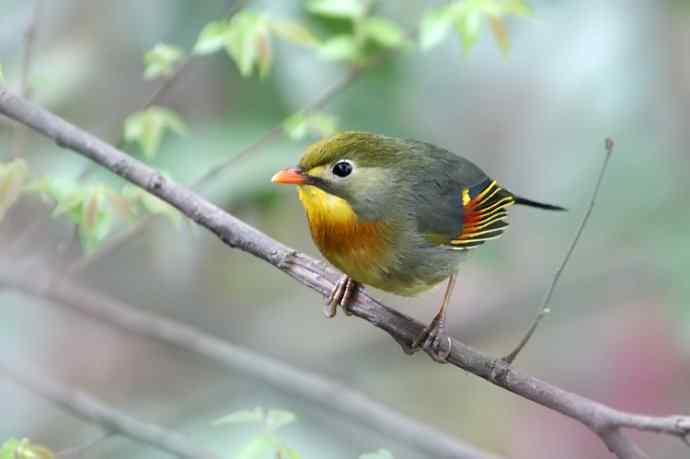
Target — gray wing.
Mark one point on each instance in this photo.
(437, 191)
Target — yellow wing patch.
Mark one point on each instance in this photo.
(485, 215)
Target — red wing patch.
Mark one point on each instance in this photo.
(485, 214)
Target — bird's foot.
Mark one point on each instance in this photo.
(434, 339)
(341, 295)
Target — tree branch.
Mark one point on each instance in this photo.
(544, 310)
(597, 417)
(309, 386)
(86, 407)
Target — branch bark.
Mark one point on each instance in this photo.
(87, 407)
(599, 418)
(309, 386)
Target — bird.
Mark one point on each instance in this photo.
(399, 215)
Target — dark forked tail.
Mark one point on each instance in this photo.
(537, 204)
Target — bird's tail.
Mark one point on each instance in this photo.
(537, 204)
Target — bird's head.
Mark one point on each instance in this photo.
(363, 169)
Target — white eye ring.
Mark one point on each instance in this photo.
(342, 168)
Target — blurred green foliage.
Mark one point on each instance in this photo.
(148, 127)
(162, 60)
(268, 440)
(13, 175)
(15, 448)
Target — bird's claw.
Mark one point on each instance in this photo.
(434, 340)
(341, 295)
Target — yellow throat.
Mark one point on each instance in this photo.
(357, 248)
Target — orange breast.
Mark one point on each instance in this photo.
(360, 249)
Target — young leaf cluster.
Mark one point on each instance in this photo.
(366, 34)
(246, 37)
(94, 209)
(267, 441)
(147, 128)
(162, 61)
(467, 17)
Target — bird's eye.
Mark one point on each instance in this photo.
(342, 168)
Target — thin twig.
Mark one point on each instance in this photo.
(276, 131)
(313, 274)
(309, 386)
(25, 88)
(89, 408)
(116, 241)
(165, 84)
(544, 310)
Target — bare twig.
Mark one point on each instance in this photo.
(309, 386)
(544, 310)
(599, 418)
(110, 419)
(25, 89)
(267, 138)
(163, 87)
(277, 130)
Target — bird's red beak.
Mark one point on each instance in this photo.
(290, 176)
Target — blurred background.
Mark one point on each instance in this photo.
(534, 119)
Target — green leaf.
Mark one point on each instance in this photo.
(256, 448)
(289, 453)
(294, 33)
(147, 128)
(71, 205)
(275, 419)
(468, 16)
(52, 189)
(340, 47)
(13, 174)
(500, 33)
(435, 26)
(518, 8)
(379, 454)
(90, 208)
(299, 125)
(384, 32)
(211, 38)
(468, 26)
(242, 417)
(24, 449)
(8, 448)
(247, 41)
(161, 61)
(348, 9)
(96, 218)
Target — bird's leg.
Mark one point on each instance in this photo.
(434, 338)
(341, 295)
